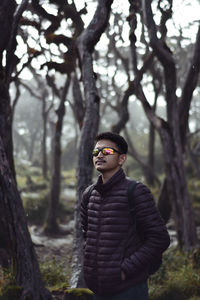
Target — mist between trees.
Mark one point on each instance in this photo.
(70, 69)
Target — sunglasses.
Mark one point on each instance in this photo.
(105, 151)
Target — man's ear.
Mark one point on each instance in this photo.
(122, 159)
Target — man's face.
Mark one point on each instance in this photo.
(108, 163)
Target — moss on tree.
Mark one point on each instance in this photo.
(77, 294)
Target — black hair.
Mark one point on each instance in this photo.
(116, 138)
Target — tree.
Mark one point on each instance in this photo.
(173, 129)
(51, 225)
(7, 20)
(118, 58)
(19, 244)
(7, 8)
(171, 134)
(86, 43)
(42, 95)
(170, 131)
(27, 127)
(24, 265)
(65, 12)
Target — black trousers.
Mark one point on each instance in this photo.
(138, 292)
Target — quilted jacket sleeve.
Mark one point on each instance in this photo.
(83, 210)
(152, 228)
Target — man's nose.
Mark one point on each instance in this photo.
(100, 154)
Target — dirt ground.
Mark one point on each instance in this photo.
(57, 248)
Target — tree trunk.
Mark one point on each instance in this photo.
(78, 105)
(151, 152)
(44, 138)
(86, 44)
(18, 241)
(164, 204)
(188, 89)
(33, 139)
(170, 136)
(157, 85)
(5, 257)
(24, 260)
(20, 143)
(178, 193)
(151, 146)
(45, 111)
(6, 126)
(51, 225)
(147, 167)
(194, 159)
(7, 8)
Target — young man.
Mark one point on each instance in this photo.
(118, 251)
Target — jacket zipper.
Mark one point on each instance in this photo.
(98, 234)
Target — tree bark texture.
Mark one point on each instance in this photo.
(86, 43)
(25, 265)
(157, 84)
(44, 139)
(171, 141)
(164, 204)
(178, 192)
(193, 158)
(7, 9)
(78, 105)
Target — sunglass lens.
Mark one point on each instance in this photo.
(107, 151)
(95, 152)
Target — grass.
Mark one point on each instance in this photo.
(178, 277)
(54, 274)
(9, 290)
(35, 191)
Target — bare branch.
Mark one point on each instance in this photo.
(156, 121)
(161, 50)
(165, 56)
(31, 91)
(132, 89)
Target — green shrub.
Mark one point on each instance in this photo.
(178, 278)
(53, 274)
(8, 287)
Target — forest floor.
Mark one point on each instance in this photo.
(56, 247)
(54, 252)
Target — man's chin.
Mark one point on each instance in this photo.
(99, 168)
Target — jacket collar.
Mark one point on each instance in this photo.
(102, 188)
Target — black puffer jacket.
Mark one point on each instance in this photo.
(112, 242)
